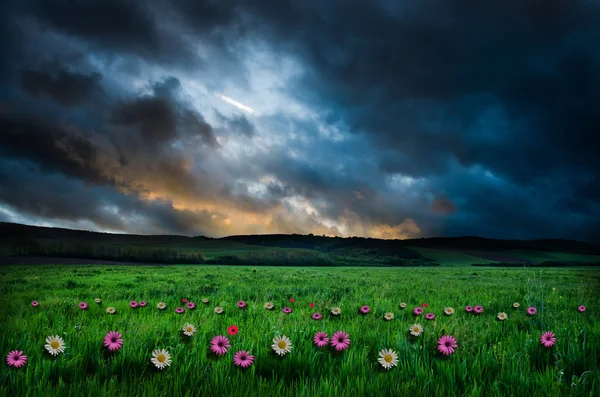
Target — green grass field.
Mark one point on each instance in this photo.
(493, 358)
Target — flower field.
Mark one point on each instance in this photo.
(237, 331)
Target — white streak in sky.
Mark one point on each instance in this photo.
(237, 104)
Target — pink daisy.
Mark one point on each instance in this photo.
(468, 309)
(317, 316)
(478, 309)
(191, 305)
(340, 341)
(83, 306)
(321, 339)
(365, 309)
(581, 308)
(531, 311)
(133, 304)
(243, 359)
(179, 310)
(417, 311)
(241, 304)
(113, 340)
(287, 310)
(446, 345)
(429, 316)
(424, 305)
(143, 303)
(35, 303)
(219, 345)
(548, 339)
(16, 359)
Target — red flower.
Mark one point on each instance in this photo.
(292, 300)
(424, 305)
(232, 330)
(311, 304)
(183, 300)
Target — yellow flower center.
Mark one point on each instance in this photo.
(416, 329)
(189, 329)
(281, 344)
(55, 344)
(388, 358)
(161, 358)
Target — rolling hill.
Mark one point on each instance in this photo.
(18, 240)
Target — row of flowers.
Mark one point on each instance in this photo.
(336, 311)
(281, 345)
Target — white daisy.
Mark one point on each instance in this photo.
(205, 301)
(161, 305)
(416, 329)
(516, 305)
(449, 311)
(111, 310)
(402, 305)
(189, 329)
(98, 300)
(55, 345)
(388, 316)
(336, 311)
(282, 345)
(218, 310)
(161, 358)
(388, 358)
(502, 316)
(269, 305)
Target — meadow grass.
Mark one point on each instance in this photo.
(492, 359)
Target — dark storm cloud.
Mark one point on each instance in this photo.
(512, 86)
(443, 205)
(482, 114)
(48, 144)
(238, 124)
(155, 118)
(67, 88)
(118, 26)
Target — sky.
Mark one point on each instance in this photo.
(386, 119)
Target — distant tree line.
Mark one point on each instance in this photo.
(285, 257)
(112, 253)
(539, 264)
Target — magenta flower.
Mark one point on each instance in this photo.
(340, 341)
(16, 359)
(478, 309)
(468, 309)
(113, 340)
(241, 304)
(417, 311)
(581, 309)
(531, 311)
(190, 305)
(243, 359)
(36, 304)
(287, 310)
(133, 304)
(83, 306)
(321, 339)
(317, 316)
(429, 316)
(446, 345)
(219, 345)
(143, 303)
(548, 339)
(179, 310)
(365, 309)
